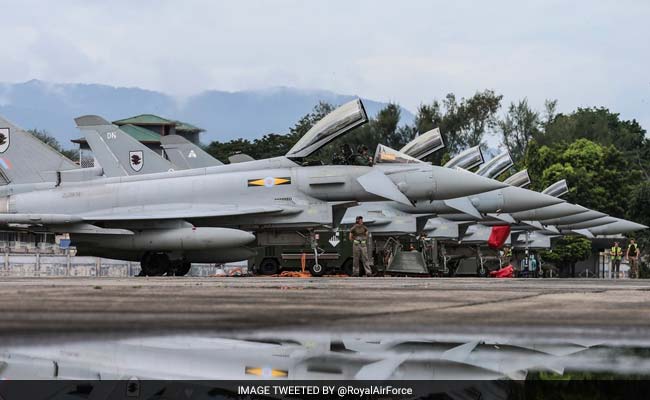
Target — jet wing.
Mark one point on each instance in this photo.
(176, 211)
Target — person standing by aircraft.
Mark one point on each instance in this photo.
(359, 239)
(615, 255)
(632, 255)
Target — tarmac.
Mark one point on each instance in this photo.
(597, 309)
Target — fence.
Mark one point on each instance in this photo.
(34, 265)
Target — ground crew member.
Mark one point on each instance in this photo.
(615, 255)
(359, 238)
(632, 255)
(507, 255)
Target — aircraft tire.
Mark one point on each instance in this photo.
(182, 268)
(155, 264)
(317, 269)
(269, 266)
(346, 268)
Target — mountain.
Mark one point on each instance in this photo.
(224, 115)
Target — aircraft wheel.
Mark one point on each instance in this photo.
(347, 267)
(269, 266)
(317, 269)
(482, 273)
(155, 264)
(181, 269)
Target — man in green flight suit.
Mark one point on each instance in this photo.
(362, 157)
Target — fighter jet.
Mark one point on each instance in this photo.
(168, 220)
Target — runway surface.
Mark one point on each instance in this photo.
(612, 310)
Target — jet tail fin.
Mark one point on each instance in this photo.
(185, 154)
(117, 152)
(26, 159)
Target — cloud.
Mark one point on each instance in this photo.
(582, 53)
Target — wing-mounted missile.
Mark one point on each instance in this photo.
(118, 153)
(340, 121)
(520, 179)
(467, 159)
(558, 189)
(185, 154)
(377, 183)
(424, 144)
(496, 166)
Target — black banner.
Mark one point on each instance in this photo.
(136, 389)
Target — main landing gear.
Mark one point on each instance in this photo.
(159, 264)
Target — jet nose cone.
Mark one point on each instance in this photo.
(517, 199)
(620, 226)
(590, 224)
(452, 183)
(571, 219)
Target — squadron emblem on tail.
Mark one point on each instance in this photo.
(136, 160)
(4, 139)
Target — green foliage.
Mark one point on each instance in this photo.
(462, 123)
(567, 251)
(518, 127)
(45, 137)
(599, 176)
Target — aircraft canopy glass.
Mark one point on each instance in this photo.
(425, 144)
(520, 179)
(557, 189)
(496, 166)
(467, 159)
(386, 155)
(343, 119)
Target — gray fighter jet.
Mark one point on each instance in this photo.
(168, 220)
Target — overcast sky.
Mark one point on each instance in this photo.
(582, 53)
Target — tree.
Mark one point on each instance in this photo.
(45, 137)
(519, 125)
(305, 123)
(567, 251)
(462, 123)
(639, 211)
(596, 124)
(597, 175)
